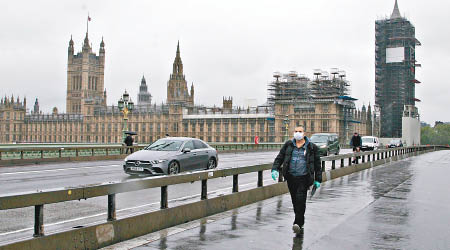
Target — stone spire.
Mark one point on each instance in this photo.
(396, 12)
(178, 64)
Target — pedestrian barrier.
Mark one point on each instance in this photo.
(31, 155)
(114, 230)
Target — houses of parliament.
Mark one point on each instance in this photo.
(88, 118)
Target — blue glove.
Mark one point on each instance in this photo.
(274, 175)
(317, 184)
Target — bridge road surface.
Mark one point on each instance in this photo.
(17, 224)
(402, 205)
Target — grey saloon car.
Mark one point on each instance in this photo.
(170, 156)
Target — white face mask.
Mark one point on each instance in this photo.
(298, 135)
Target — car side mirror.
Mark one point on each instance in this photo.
(186, 150)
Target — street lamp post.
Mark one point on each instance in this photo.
(125, 105)
(286, 124)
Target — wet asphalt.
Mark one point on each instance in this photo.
(402, 205)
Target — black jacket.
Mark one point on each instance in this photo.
(356, 141)
(283, 160)
(129, 141)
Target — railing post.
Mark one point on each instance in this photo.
(333, 164)
(323, 166)
(164, 202)
(107, 151)
(363, 158)
(38, 221)
(235, 183)
(260, 178)
(111, 207)
(350, 161)
(42, 154)
(356, 159)
(204, 195)
(0, 155)
(378, 156)
(342, 162)
(60, 153)
(21, 154)
(373, 157)
(92, 153)
(76, 152)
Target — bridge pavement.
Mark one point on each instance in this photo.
(402, 205)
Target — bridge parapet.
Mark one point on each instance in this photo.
(31, 155)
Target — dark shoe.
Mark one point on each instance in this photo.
(296, 228)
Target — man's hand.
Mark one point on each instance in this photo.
(317, 184)
(274, 175)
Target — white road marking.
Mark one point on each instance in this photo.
(124, 209)
(56, 170)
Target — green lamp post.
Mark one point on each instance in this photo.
(125, 105)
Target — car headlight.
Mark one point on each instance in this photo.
(126, 159)
(157, 161)
(323, 146)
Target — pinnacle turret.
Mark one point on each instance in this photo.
(396, 12)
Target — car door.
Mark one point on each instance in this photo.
(202, 156)
(186, 159)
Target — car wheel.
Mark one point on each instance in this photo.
(211, 163)
(174, 168)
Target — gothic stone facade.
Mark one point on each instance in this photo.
(89, 120)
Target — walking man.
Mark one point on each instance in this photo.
(356, 143)
(299, 162)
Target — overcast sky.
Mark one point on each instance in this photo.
(228, 48)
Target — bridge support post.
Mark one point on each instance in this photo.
(204, 190)
(350, 161)
(235, 183)
(38, 221)
(164, 202)
(323, 166)
(260, 178)
(333, 164)
(342, 162)
(111, 207)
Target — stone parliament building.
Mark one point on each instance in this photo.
(321, 105)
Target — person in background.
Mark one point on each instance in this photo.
(129, 142)
(299, 161)
(356, 143)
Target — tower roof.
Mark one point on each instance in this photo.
(143, 82)
(396, 12)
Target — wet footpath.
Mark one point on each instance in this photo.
(402, 205)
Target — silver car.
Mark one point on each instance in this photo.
(170, 156)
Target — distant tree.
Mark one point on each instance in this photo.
(439, 135)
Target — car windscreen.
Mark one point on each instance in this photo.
(367, 140)
(319, 138)
(395, 141)
(165, 145)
